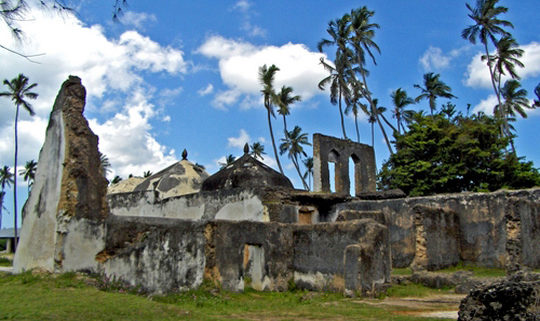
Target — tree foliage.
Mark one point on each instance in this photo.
(449, 154)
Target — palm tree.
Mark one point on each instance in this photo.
(257, 150)
(117, 179)
(308, 163)
(18, 91)
(147, 174)
(266, 77)
(229, 159)
(292, 143)
(362, 42)
(433, 88)
(105, 164)
(372, 120)
(487, 26)
(354, 105)
(340, 71)
(6, 178)
(537, 93)
(515, 101)
(284, 98)
(29, 173)
(400, 99)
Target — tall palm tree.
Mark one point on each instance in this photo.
(372, 119)
(515, 101)
(284, 99)
(487, 26)
(400, 99)
(18, 91)
(266, 77)
(433, 88)
(355, 106)
(29, 173)
(536, 103)
(229, 159)
(308, 163)
(338, 80)
(105, 163)
(257, 150)
(292, 143)
(340, 71)
(6, 178)
(363, 32)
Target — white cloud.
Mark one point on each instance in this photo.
(137, 19)
(242, 5)
(239, 64)
(239, 141)
(486, 105)
(107, 67)
(478, 73)
(206, 91)
(251, 29)
(434, 58)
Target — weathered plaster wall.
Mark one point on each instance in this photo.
(232, 205)
(64, 215)
(481, 235)
(159, 255)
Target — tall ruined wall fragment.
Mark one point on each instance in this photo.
(64, 216)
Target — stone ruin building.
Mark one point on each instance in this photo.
(247, 226)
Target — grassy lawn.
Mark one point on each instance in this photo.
(74, 297)
(477, 271)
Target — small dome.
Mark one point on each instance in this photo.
(181, 178)
(246, 172)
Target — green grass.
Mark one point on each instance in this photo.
(401, 271)
(478, 271)
(4, 261)
(74, 297)
(416, 290)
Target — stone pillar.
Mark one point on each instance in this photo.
(67, 204)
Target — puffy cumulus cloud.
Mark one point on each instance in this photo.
(478, 73)
(239, 141)
(434, 58)
(107, 67)
(239, 64)
(127, 141)
(486, 105)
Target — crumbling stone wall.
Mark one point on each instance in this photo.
(482, 217)
(64, 215)
(339, 151)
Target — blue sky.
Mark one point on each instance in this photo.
(183, 74)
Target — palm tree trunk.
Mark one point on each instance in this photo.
(357, 131)
(492, 76)
(398, 124)
(341, 115)
(273, 141)
(15, 180)
(285, 126)
(368, 96)
(295, 163)
(372, 134)
(388, 123)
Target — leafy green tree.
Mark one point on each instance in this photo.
(29, 173)
(6, 179)
(433, 88)
(487, 25)
(19, 90)
(308, 163)
(229, 159)
(292, 143)
(283, 100)
(257, 150)
(448, 155)
(400, 100)
(266, 77)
